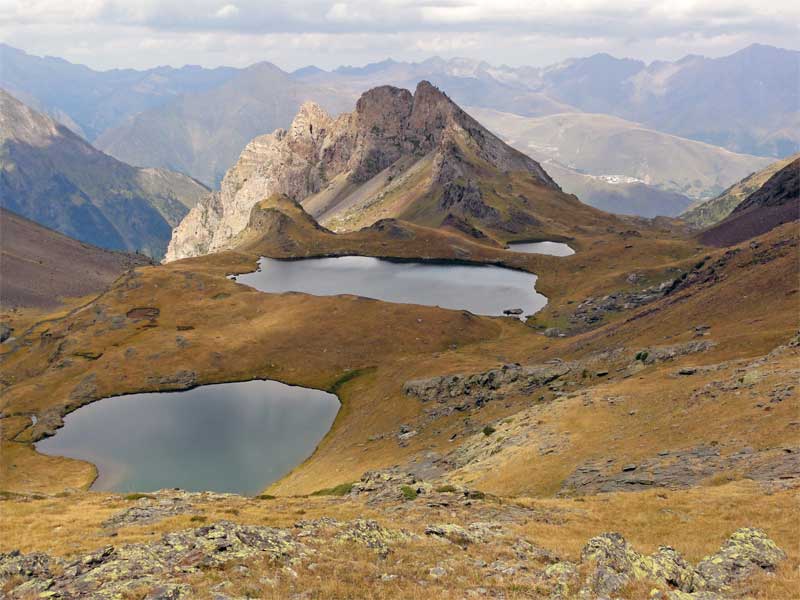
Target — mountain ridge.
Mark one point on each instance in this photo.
(714, 210)
(776, 202)
(52, 176)
(41, 266)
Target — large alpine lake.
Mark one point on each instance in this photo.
(230, 437)
(480, 289)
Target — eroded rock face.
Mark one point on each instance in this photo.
(465, 199)
(388, 126)
(676, 469)
(482, 387)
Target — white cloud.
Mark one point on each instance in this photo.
(227, 11)
(139, 33)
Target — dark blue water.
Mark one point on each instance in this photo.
(480, 289)
(231, 437)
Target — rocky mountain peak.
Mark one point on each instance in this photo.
(311, 121)
(432, 109)
(384, 104)
(351, 163)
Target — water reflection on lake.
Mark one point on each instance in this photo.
(551, 248)
(480, 289)
(230, 437)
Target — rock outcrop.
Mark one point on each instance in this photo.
(482, 387)
(168, 568)
(608, 564)
(117, 572)
(357, 164)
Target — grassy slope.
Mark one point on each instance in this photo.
(240, 333)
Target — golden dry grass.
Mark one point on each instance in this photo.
(695, 522)
(236, 333)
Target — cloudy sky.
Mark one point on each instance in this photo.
(294, 33)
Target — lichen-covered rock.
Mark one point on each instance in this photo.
(372, 535)
(452, 533)
(149, 510)
(614, 564)
(34, 567)
(112, 572)
(746, 551)
(656, 354)
(679, 595)
(668, 566)
(610, 564)
(560, 580)
(387, 486)
(462, 536)
(524, 550)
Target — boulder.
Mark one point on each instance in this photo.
(614, 564)
(745, 552)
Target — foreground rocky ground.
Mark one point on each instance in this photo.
(413, 539)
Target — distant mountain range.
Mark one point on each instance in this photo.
(203, 133)
(90, 102)
(747, 102)
(197, 120)
(625, 156)
(54, 177)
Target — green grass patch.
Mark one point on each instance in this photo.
(340, 490)
(488, 430)
(409, 493)
(349, 376)
(138, 496)
(446, 489)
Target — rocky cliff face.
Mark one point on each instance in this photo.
(392, 151)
